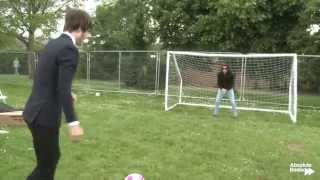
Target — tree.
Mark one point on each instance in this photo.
(220, 25)
(302, 39)
(124, 24)
(23, 18)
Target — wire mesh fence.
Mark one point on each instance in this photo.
(16, 67)
(119, 71)
(141, 72)
(309, 82)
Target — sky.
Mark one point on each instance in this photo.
(90, 5)
(314, 29)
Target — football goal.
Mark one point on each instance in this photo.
(263, 82)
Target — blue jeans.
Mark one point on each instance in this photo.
(220, 94)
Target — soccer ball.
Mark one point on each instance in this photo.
(134, 176)
(98, 94)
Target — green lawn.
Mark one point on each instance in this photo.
(128, 133)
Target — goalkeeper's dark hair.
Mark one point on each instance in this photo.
(225, 65)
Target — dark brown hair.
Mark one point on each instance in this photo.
(75, 19)
(229, 72)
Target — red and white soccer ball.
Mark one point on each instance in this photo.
(134, 176)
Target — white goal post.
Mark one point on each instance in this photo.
(263, 82)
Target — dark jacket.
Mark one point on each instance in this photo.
(51, 90)
(225, 81)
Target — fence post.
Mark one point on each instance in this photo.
(88, 68)
(36, 59)
(157, 73)
(119, 69)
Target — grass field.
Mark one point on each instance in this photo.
(128, 133)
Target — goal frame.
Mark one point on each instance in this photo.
(293, 93)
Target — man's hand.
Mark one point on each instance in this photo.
(75, 133)
(74, 97)
(223, 90)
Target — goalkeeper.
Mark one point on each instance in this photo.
(225, 86)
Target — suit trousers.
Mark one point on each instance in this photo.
(47, 151)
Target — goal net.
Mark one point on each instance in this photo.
(263, 82)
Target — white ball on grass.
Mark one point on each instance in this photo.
(98, 94)
(134, 176)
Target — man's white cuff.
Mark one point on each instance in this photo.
(74, 123)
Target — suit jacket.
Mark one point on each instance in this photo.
(51, 92)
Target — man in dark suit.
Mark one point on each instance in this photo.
(51, 93)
